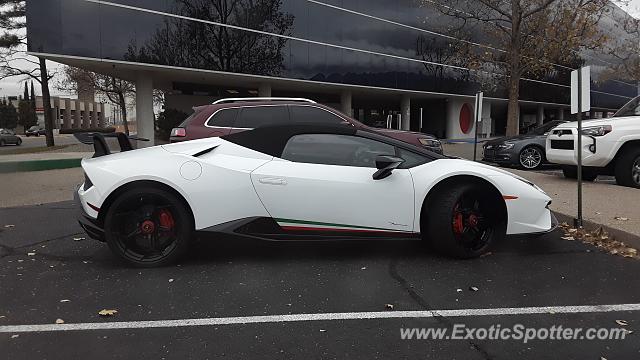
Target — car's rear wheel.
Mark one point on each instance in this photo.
(531, 157)
(464, 221)
(627, 169)
(147, 227)
(571, 172)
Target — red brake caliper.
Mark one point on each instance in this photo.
(458, 225)
(166, 220)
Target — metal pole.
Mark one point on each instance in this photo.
(420, 120)
(579, 119)
(475, 126)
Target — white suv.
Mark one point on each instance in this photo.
(610, 146)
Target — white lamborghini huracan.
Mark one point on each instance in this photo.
(300, 182)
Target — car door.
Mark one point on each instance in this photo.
(324, 182)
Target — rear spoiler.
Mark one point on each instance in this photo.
(100, 144)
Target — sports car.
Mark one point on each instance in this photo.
(300, 182)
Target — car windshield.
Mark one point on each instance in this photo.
(33, 128)
(632, 108)
(541, 130)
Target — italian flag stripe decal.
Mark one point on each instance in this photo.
(292, 224)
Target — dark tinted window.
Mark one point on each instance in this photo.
(257, 116)
(331, 149)
(541, 130)
(223, 118)
(310, 114)
(411, 159)
(632, 108)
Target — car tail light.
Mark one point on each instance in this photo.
(178, 132)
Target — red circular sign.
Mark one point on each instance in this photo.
(465, 118)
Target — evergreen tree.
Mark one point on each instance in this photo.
(26, 115)
(3, 114)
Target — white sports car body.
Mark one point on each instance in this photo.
(301, 182)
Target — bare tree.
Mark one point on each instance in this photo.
(12, 51)
(527, 36)
(117, 91)
(625, 50)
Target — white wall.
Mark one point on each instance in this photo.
(454, 105)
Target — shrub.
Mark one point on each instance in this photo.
(167, 120)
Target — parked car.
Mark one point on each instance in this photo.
(300, 182)
(34, 131)
(610, 146)
(9, 137)
(228, 116)
(526, 151)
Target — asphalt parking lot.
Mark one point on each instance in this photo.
(47, 273)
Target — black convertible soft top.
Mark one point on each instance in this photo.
(272, 139)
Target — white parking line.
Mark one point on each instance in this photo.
(319, 317)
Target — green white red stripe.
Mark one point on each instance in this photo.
(304, 225)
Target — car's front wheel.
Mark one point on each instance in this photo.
(464, 221)
(627, 169)
(147, 227)
(19, 141)
(531, 157)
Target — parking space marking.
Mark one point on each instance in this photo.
(318, 317)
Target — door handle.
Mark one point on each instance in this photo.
(273, 181)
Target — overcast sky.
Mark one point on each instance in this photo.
(14, 86)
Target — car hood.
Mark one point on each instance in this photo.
(585, 123)
(510, 139)
(399, 133)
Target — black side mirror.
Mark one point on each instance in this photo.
(385, 165)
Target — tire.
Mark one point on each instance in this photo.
(152, 238)
(571, 172)
(445, 219)
(531, 158)
(627, 170)
(19, 142)
(2, 143)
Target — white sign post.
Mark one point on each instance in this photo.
(477, 116)
(580, 102)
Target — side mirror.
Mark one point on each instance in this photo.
(385, 165)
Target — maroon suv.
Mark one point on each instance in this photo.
(227, 116)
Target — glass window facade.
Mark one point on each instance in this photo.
(361, 42)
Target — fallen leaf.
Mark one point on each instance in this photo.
(9, 226)
(473, 288)
(363, 268)
(59, 321)
(170, 280)
(603, 358)
(569, 238)
(572, 230)
(459, 290)
(322, 330)
(78, 238)
(621, 218)
(107, 312)
(622, 322)
(14, 336)
(31, 254)
(65, 300)
(388, 306)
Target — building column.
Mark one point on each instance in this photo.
(144, 109)
(560, 114)
(405, 110)
(66, 115)
(540, 115)
(93, 119)
(101, 116)
(345, 103)
(264, 90)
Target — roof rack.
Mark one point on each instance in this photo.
(249, 99)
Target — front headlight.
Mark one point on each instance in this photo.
(505, 146)
(430, 142)
(597, 130)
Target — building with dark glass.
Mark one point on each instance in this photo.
(380, 61)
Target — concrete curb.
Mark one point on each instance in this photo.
(620, 235)
(38, 165)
